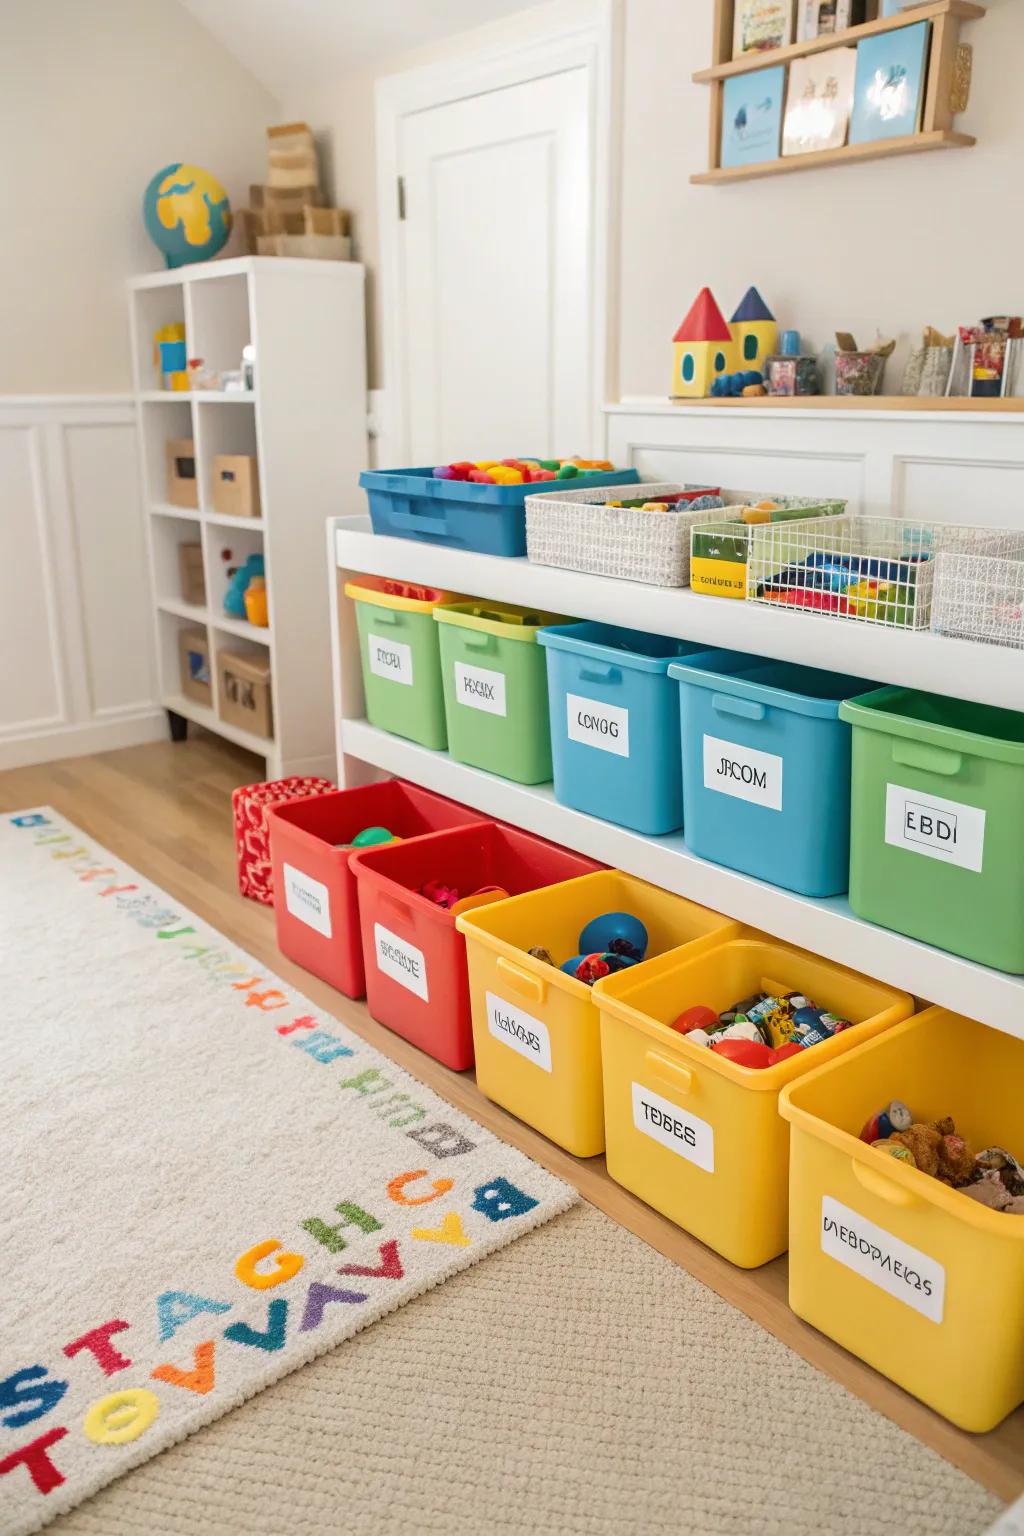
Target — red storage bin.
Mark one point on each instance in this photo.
(415, 960)
(317, 908)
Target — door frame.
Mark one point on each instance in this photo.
(568, 34)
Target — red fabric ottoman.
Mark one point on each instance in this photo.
(249, 803)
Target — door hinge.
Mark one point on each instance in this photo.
(401, 198)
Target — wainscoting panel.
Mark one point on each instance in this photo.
(945, 466)
(76, 644)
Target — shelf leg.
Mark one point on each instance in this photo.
(177, 725)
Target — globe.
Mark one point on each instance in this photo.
(187, 214)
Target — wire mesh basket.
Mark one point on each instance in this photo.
(981, 597)
(721, 549)
(878, 570)
(578, 531)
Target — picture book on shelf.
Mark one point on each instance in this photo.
(761, 24)
(818, 101)
(752, 116)
(889, 87)
(816, 18)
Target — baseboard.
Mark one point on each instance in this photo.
(83, 740)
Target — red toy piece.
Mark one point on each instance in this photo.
(591, 968)
(249, 804)
(443, 895)
(697, 1017)
(745, 1053)
(784, 1052)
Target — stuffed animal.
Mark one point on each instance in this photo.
(923, 1143)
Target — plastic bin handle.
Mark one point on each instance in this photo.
(401, 907)
(386, 616)
(479, 640)
(416, 521)
(745, 709)
(876, 1183)
(922, 754)
(521, 980)
(605, 674)
(678, 1078)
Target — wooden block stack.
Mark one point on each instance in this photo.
(287, 216)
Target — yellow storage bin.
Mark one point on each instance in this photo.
(696, 1136)
(916, 1278)
(536, 1031)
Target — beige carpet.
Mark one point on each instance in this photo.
(592, 1387)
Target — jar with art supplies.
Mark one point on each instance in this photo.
(860, 372)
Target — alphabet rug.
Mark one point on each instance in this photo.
(204, 1182)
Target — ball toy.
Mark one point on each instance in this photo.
(784, 1052)
(371, 837)
(697, 1017)
(619, 932)
(745, 1053)
(186, 213)
(571, 966)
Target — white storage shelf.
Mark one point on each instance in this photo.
(305, 425)
(827, 927)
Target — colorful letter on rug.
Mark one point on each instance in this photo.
(206, 1182)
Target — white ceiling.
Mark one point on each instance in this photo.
(294, 45)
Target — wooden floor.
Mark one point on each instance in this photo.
(165, 809)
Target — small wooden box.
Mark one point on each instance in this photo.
(182, 484)
(193, 581)
(236, 485)
(245, 692)
(194, 655)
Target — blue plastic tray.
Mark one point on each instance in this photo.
(411, 504)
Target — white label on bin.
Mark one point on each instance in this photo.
(308, 900)
(519, 1030)
(390, 658)
(598, 725)
(888, 1262)
(480, 688)
(674, 1128)
(400, 960)
(940, 829)
(743, 772)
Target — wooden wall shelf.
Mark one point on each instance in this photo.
(880, 149)
(963, 10)
(938, 108)
(943, 403)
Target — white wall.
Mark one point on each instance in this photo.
(95, 97)
(893, 244)
(890, 245)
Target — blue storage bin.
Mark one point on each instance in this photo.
(615, 724)
(766, 768)
(411, 504)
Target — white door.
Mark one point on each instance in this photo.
(493, 330)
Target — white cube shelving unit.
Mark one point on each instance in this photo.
(305, 423)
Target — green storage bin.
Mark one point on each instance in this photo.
(401, 661)
(937, 822)
(496, 689)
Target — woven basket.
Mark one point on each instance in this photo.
(576, 531)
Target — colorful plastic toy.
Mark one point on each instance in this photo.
(697, 1017)
(702, 348)
(894, 1117)
(481, 898)
(370, 837)
(740, 383)
(620, 932)
(234, 597)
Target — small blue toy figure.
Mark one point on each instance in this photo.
(736, 383)
(234, 597)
